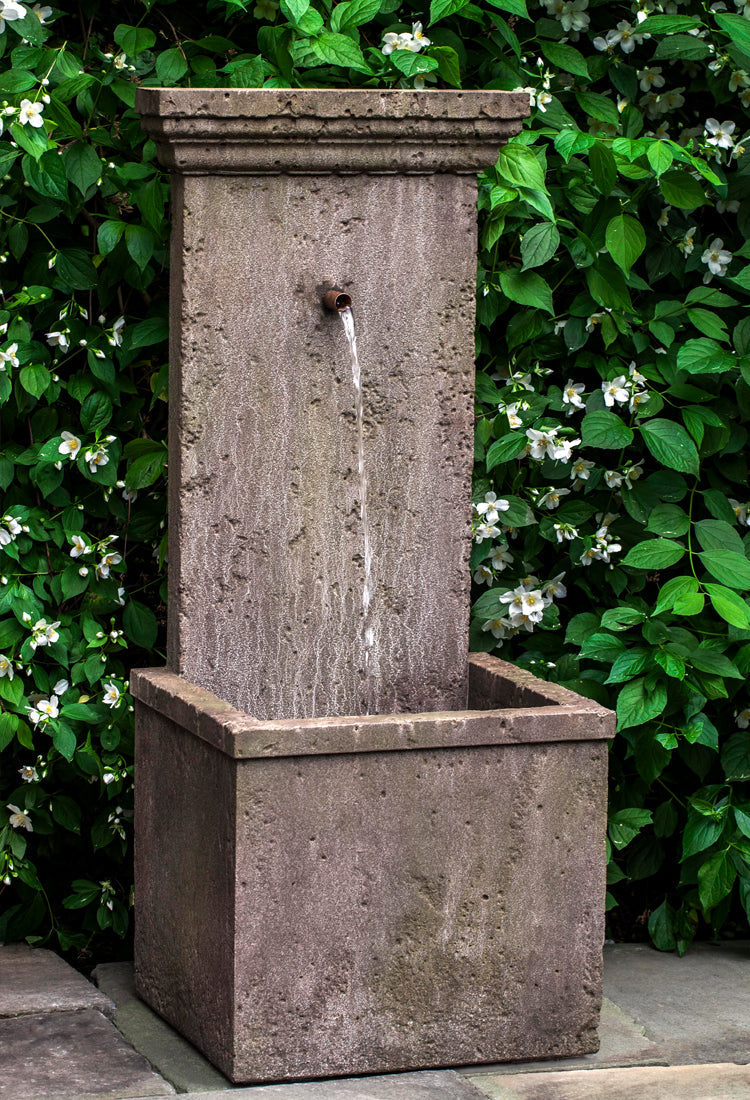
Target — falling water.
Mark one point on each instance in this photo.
(348, 319)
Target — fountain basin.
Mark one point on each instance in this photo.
(335, 896)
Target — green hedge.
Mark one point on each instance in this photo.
(611, 543)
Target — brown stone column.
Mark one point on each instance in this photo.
(277, 196)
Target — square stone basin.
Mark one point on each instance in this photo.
(338, 896)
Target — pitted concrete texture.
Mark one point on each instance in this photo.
(712, 1082)
(33, 980)
(66, 1054)
(325, 914)
(268, 131)
(285, 600)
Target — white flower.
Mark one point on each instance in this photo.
(31, 113)
(542, 99)
(616, 390)
(419, 36)
(663, 219)
(19, 819)
(555, 588)
(61, 687)
(650, 78)
(112, 694)
(70, 445)
(80, 546)
(613, 479)
(626, 35)
(486, 531)
(738, 79)
(44, 710)
(565, 531)
(28, 774)
(6, 667)
(687, 244)
(742, 716)
(717, 257)
(42, 13)
(560, 326)
(572, 394)
(594, 320)
(632, 473)
(581, 470)
(501, 558)
(728, 206)
(542, 443)
(491, 508)
(58, 339)
(564, 449)
(551, 498)
(96, 456)
(10, 11)
(483, 575)
(500, 628)
(83, 571)
(514, 420)
(639, 398)
(116, 338)
(403, 41)
(671, 100)
(9, 356)
(525, 604)
(44, 633)
(720, 133)
(740, 511)
(102, 569)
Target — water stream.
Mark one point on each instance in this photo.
(347, 318)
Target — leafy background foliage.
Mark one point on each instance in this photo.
(613, 401)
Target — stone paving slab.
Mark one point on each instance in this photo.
(64, 1054)
(712, 1082)
(34, 980)
(176, 1058)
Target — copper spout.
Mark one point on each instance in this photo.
(336, 299)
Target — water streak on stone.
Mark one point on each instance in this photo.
(347, 318)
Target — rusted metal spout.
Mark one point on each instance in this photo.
(336, 299)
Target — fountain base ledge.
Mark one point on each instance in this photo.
(336, 896)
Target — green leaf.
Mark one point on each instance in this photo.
(661, 927)
(660, 157)
(155, 330)
(669, 24)
(603, 167)
(505, 449)
(563, 56)
(654, 554)
(638, 703)
(64, 740)
(133, 40)
(82, 166)
(728, 567)
(670, 445)
(624, 825)
(139, 624)
(527, 288)
(710, 324)
(700, 833)
(728, 605)
(518, 166)
(621, 618)
(96, 412)
(338, 49)
(539, 244)
(715, 663)
(449, 67)
(604, 429)
(625, 240)
(15, 81)
(171, 66)
(715, 879)
(140, 242)
(602, 647)
(75, 269)
(513, 7)
(673, 665)
(681, 190)
(147, 469)
(738, 29)
(668, 520)
(569, 142)
(704, 356)
(412, 64)
(715, 534)
(108, 235)
(47, 176)
(628, 665)
(293, 10)
(441, 9)
(599, 107)
(355, 13)
(735, 757)
(35, 379)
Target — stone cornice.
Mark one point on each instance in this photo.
(265, 131)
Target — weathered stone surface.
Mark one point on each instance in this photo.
(68, 1054)
(172, 1056)
(717, 1082)
(551, 713)
(329, 130)
(33, 980)
(428, 1085)
(268, 563)
(372, 910)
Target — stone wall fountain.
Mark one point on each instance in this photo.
(358, 848)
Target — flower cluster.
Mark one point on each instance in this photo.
(524, 606)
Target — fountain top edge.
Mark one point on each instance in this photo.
(539, 713)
